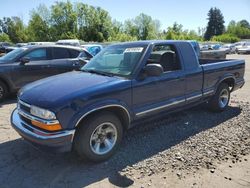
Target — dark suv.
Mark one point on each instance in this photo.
(30, 63)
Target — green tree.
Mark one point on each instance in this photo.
(130, 28)
(175, 32)
(147, 27)
(14, 28)
(63, 19)
(227, 38)
(94, 23)
(215, 24)
(143, 27)
(239, 29)
(122, 37)
(4, 37)
(38, 29)
(244, 23)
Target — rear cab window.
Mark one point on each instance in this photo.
(167, 56)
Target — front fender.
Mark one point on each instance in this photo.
(91, 108)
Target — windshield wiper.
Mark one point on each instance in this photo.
(99, 72)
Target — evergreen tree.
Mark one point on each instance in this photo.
(215, 24)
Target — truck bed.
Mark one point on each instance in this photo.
(216, 70)
(210, 61)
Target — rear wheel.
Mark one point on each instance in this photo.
(3, 91)
(220, 100)
(98, 137)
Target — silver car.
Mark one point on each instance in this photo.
(245, 49)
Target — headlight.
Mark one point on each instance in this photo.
(42, 113)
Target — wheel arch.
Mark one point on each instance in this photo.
(230, 81)
(120, 111)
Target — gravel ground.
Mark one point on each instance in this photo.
(180, 145)
(221, 137)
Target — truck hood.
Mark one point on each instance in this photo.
(60, 89)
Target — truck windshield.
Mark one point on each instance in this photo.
(13, 54)
(117, 60)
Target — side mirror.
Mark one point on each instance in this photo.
(153, 70)
(24, 60)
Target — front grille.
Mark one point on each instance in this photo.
(24, 106)
(26, 120)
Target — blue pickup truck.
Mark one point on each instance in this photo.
(125, 84)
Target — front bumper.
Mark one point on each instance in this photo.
(55, 141)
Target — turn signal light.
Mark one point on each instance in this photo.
(52, 127)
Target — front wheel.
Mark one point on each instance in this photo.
(220, 100)
(98, 137)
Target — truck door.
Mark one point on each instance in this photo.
(155, 94)
(193, 73)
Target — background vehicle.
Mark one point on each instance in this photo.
(120, 87)
(71, 42)
(245, 49)
(229, 48)
(21, 44)
(3, 46)
(93, 48)
(238, 45)
(10, 48)
(30, 63)
(212, 51)
(40, 43)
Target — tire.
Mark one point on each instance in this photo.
(3, 91)
(219, 102)
(98, 137)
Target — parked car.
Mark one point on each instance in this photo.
(10, 48)
(122, 86)
(40, 43)
(212, 51)
(238, 45)
(3, 46)
(21, 44)
(93, 48)
(71, 42)
(229, 48)
(245, 49)
(27, 64)
(213, 54)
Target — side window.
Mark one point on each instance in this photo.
(165, 55)
(74, 53)
(37, 54)
(60, 53)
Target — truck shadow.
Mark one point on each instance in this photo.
(23, 166)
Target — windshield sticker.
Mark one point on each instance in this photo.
(133, 50)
